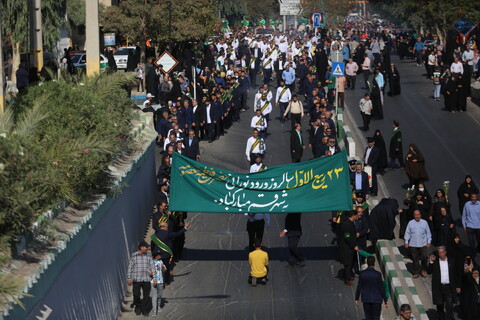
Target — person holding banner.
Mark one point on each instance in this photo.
(255, 146)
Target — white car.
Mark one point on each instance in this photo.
(121, 56)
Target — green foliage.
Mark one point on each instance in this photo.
(57, 142)
(138, 20)
(440, 14)
(14, 15)
(75, 13)
(267, 8)
(232, 8)
(10, 289)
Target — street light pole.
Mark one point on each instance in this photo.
(92, 33)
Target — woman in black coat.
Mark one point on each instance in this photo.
(382, 158)
(466, 189)
(470, 296)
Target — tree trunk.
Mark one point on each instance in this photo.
(15, 60)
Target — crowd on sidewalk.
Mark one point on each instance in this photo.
(294, 76)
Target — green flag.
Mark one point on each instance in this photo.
(311, 186)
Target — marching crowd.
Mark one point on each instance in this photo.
(294, 74)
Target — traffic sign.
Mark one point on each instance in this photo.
(289, 1)
(317, 19)
(167, 61)
(338, 69)
(290, 9)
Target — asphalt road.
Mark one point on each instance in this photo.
(211, 279)
(449, 143)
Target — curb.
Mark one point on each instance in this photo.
(402, 288)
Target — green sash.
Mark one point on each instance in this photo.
(282, 92)
(255, 144)
(265, 106)
(161, 245)
(251, 61)
(259, 121)
(267, 62)
(262, 167)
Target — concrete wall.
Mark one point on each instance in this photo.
(87, 278)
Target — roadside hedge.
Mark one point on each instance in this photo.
(56, 142)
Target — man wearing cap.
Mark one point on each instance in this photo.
(370, 158)
(140, 271)
(148, 103)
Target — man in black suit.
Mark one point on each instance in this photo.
(162, 241)
(347, 245)
(296, 143)
(370, 158)
(209, 116)
(359, 180)
(192, 146)
(445, 283)
(370, 286)
(198, 119)
(293, 231)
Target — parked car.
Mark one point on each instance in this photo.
(79, 60)
(121, 56)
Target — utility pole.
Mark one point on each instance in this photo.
(36, 34)
(2, 71)
(92, 33)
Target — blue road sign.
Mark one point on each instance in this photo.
(338, 69)
(317, 19)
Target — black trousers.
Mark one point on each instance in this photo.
(419, 257)
(244, 97)
(366, 120)
(141, 304)
(168, 267)
(445, 310)
(295, 254)
(372, 310)
(351, 81)
(295, 118)
(348, 273)
(210, 131)
(255, 231)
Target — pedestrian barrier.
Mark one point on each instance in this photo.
(402, 288)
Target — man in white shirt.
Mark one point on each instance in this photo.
(467, 58)
(457, 67)
(258, 165)
(282, 98)
(445, 282)
(366, 107)
(267, 64)
(260, 123)
(255, 147)
(264, 106)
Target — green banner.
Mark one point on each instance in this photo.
(311, 186)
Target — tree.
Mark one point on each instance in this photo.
(266, 8)
(138, 20)
(440, 15)
(15, 25)
(336, 10)
(232, 9)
